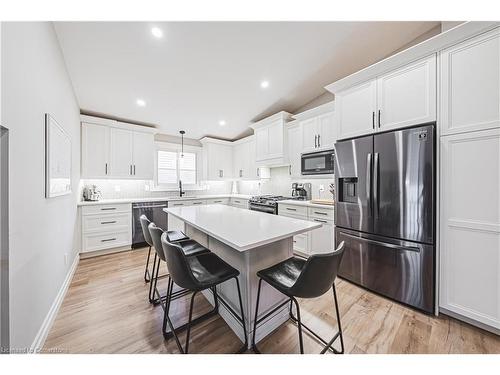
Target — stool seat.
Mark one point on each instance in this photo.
(191, 247)
(176, 235)
(209, 270)
(283, 275)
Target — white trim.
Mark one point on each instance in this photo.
(313, 112)
(283, 116)
(117, 124)
(44, 330)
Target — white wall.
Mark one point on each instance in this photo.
(42, 231)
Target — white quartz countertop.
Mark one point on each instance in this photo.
(161, 199)
(240, 228)
(304, 203)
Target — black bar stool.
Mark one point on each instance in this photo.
(174, 235)
(198, 273)
(189, 247)
(297, 277)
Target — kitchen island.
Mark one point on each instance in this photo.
(249, 241)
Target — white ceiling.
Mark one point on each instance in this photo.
(202, 72)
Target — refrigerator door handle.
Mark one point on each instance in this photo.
(376, 186)
(369, 172)
(385, 244)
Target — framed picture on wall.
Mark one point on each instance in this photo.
(57, 159)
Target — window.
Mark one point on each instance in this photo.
(172, 166)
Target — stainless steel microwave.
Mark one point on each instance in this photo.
(320, 162)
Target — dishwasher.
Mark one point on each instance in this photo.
(154, 212)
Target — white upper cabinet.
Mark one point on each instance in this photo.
(294, 147)
(114, 150)
(144, 153)
(271, 140)
(95, 151)
(355, 110)
(217, 159)
(400, 98)
(407, 96)
(122, 159)
(318, 128)
(470, 82)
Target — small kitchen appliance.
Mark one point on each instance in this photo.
(91, 193)
(317, 163)
(301, 191)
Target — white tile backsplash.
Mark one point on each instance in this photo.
(280, 183)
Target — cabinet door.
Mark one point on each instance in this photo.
(407, 96)
(355, 110)
(294, 150)
(95, 151)
(275, 140)
(470, 225)
(225, 160)
(309, 134)
(470, 85)
(321, 240)
(239, 160)
(326, 131)
(261, 143)
(121, 153)
(251, 170)
(143, 156)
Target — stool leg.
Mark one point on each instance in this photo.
(338, 319)
(188, 330)
(254, 346)
(151, 279)
(299, 325)
(245, 345)
(154, 280)
(167, 306)
(147, 275)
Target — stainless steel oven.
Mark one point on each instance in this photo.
(320, 162)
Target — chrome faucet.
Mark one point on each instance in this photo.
(181, 193)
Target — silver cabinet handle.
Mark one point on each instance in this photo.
(108, 209)
(131, 169)
(258, 172)
(319, 142)
(379, 119)
(291, 209)
(217, 201)
(315, 141)
(106, 169)
(178, 204)
(290, 170)
(221, 173)
(197, 203)
(108, 222)
(320, 213)
(320, 221)
(241, 172)
(134, 169)
(109, 239)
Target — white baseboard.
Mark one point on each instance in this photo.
(44, 330)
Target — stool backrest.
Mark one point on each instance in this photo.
(156, 233)
(145, 231)
(178, 267)
(318, 274)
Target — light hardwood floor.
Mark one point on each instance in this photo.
(106, 311)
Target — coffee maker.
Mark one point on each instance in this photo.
(90, 193)
(301, 191)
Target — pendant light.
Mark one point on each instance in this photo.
(182, 142)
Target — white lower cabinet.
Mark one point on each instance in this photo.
(238, 202)
(317, 241)
(470, 226)
(106, 227)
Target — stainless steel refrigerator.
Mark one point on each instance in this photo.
(385, 213)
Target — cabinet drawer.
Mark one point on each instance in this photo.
(107, 209)
(100, 241)
(106, 223)
(218, 201)
(290, 209)
(243, 203)
(320, 213)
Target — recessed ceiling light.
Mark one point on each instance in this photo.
(157, 32)
(264, 84)
(141, 103)
(222, 123)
